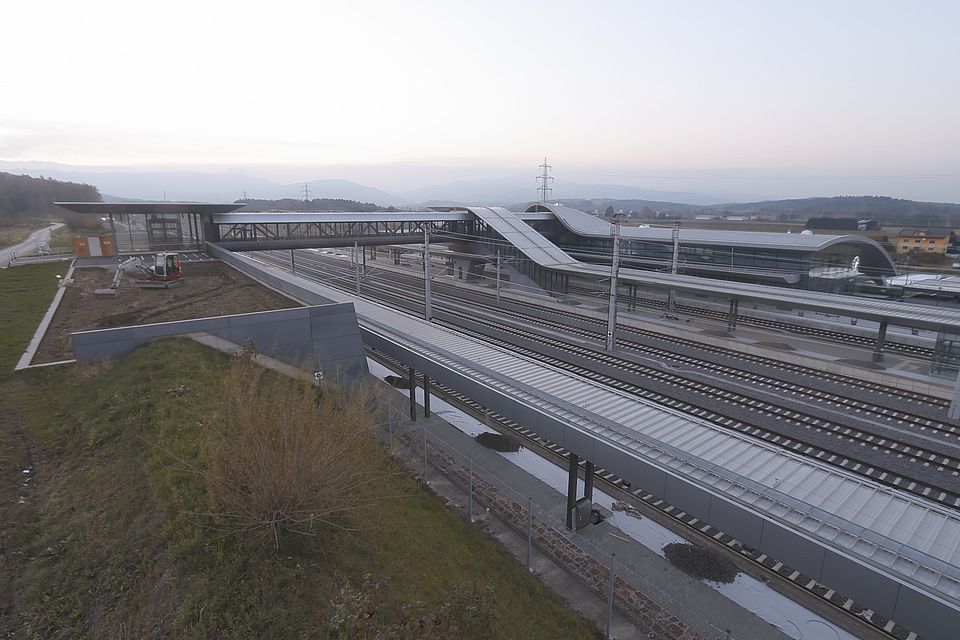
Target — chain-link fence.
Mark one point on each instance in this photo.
(653, 610)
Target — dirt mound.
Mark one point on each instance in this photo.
(498, 442)
(698, 562)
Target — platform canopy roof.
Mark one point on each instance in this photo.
(162, 208)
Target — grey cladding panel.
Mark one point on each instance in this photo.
(527, 417)
(856, 581)
(297, 315)
(84, 338)
(645, 476)
(920, 614)
(792, 549)
(736, 521)
(273, 333)
(689, 498)
(341, 324)
(113, 349)
(342, 348)
(552, 430)
(580, 443)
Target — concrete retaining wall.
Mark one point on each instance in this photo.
(320, 338)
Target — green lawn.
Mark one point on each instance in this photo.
(105, 544)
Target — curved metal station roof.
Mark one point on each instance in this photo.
(585, 224)
(548, 255)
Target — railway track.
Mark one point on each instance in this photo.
(838, 337)
(921, 400)
(707, 401)
(657, 509)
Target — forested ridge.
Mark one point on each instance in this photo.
(24, 200)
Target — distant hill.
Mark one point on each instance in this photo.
(509, 191)
(886, 211)
(24, 199)
(316, 204)
(199, 186)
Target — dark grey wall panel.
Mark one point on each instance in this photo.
(285, 334)
(790, 548)
(848, 576)
(738, 522)
(526, 417)
(643, 475)
(551, 430)
(580, 443)
(915, 611)
(691, 499)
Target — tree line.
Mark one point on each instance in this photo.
(27, 200)
(316, 204)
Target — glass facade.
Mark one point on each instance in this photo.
(152, 232)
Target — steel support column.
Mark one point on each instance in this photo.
(588, 480)
(413, 393)
(113, 236)
(572, 489)
(881, 338)
(426, 396)
(732, 317)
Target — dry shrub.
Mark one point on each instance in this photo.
(284, 457)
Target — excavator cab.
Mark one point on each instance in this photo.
(167, 267)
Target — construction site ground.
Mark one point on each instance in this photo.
(211, 289)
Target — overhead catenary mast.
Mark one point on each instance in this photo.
(545, 179)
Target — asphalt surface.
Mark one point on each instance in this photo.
(29, 245)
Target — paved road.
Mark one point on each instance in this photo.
(29, 245)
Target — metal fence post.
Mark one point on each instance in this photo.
(390, 430)
(610, 599)
(470, 493)
(529, 531)
(424, 454)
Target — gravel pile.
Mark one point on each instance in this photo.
(498, 442)
(706, 564)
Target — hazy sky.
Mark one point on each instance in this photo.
(842, 95)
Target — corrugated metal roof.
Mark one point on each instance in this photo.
(878, 310)
(588, 225)
(522, 236)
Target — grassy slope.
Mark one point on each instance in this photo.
(105, 545)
